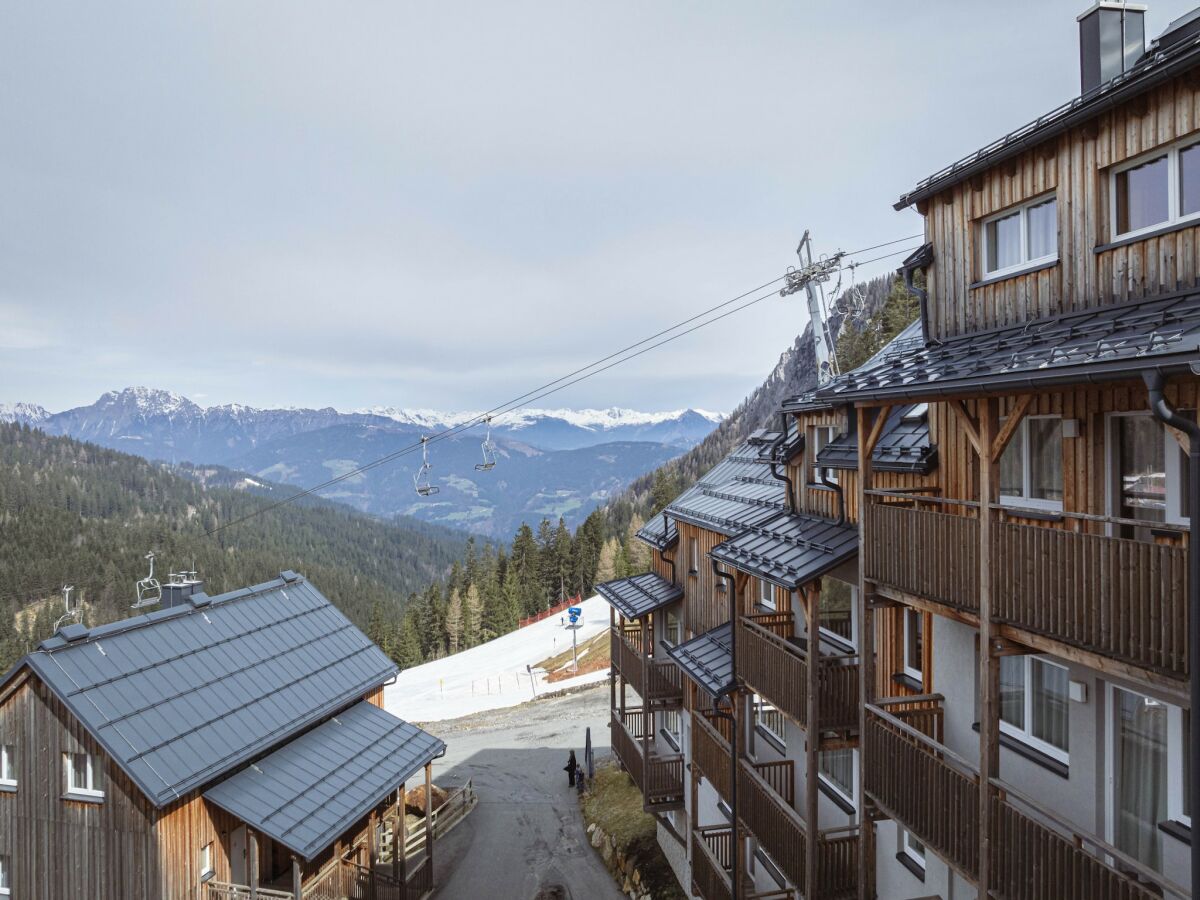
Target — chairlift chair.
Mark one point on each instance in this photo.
(489, 451)
(149, 591)
(72, 609)
(421, 480)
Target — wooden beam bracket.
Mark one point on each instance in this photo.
(969, 426)
(1010, 426)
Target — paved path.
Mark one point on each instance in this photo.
(526, 836)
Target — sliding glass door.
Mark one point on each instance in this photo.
(1138, 775)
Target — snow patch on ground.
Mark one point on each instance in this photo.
(493, 675)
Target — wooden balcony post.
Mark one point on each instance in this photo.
(989, 663)
(812, 602)
(297, 879)
(429, 817)
(869, 429)
(372, 850)
(647, 715)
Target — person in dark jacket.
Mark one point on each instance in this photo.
(571, 768)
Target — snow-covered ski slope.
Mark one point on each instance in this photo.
(492, 675)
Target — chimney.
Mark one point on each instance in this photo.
(179, 587)
(1112, 38)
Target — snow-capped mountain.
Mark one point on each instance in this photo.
(555, 461)
(23, 413)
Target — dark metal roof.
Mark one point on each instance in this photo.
(1104, 343)
(821, 398)
(738, 491)
(708, 659)
(904, 446)
(312, 789)
(181, 696)
(660, 532)
(635, 597)
(791, 549)
(1156, 67)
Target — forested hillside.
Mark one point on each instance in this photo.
(73, 512)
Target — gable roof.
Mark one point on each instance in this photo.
(708, 659)
(1104, 342)
(315, 787)
(635, 597)
(904, 446)
(660, 532)
(790, 549)
(184, 695)
(1162, 63)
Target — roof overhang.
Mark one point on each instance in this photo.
(708, 660)
(791, 550)
(639, 595)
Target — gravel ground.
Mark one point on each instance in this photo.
(525, 840)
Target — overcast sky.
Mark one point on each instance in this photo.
(443, 205)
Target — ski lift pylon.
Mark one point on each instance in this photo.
(421, 480)
(489, 451)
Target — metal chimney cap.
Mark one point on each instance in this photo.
(1111, 4)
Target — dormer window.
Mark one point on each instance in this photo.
(1021, 238)
(1156, 191)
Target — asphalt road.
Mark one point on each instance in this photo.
(525, 839)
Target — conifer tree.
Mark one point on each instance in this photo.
(472, 617)
(637, 553)
(454, 622)
(606, 568)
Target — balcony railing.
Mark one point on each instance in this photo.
(220, 890)
(656, 681)
(934, 793)
(779, 828)
(710, 753)
(1119, 598)
(659, 778)
(779, 671)
(712, 862)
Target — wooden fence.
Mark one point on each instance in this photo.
(552, 611)
(220, 890)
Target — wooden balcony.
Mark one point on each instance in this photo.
(658, 776)
(657, 681)
(1111, 597)
(710, 751)
(935, 794)
(778, 669)
(712, 862)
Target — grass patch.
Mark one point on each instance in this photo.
(614, 804)
(594, 655)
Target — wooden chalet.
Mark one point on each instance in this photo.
(224, 747)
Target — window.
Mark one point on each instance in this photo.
(1033, 704)
(1158, 190)
(673, 630)
(673, 726)
(693, 555)
(1021, 238)
(8, 766)
(80, 769)
(838, 610)
(206, 862)
(768, 718)
(1179, 774)
(914, 644)
(5, 877)
(822, 435)
(1138, 771)
(911, 847)
(837, 769)
(1149, 474)
(1031, 467)
(766, 593)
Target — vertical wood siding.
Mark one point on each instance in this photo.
(1075, 166)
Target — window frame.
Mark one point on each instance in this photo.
(1177, 762)
(822, 475)
(693, 556)
(1025, 734)
(1174, 186)
(8, 767)
(766, 595)
(1024, 500)
(5, 875)
(90, 792)
(760, 724)
(207, 867)
(1173, 470)
(906, 840)
(833, 636)
(1022, 211)
(917, 673)
(833, 785)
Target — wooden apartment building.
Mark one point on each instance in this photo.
(224, 748)
(986, 526)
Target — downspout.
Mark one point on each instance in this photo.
(791, 499)
(919, 260)
(837, 489)
(1169, 416)
(733, 732)
(663, 552)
